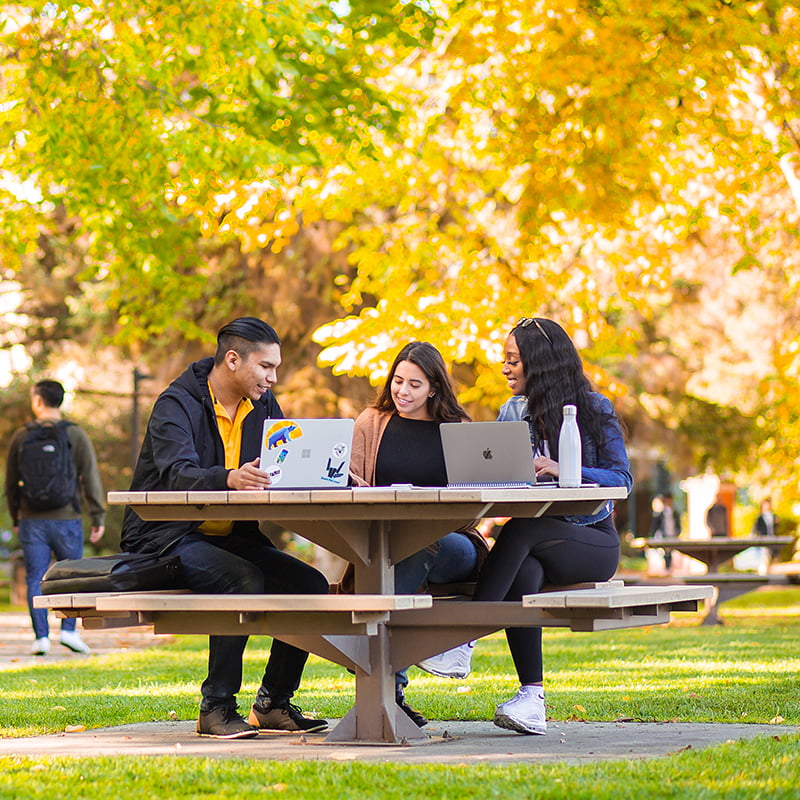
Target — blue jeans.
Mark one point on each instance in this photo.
(452, 558)
(246, 563)
(40, 540)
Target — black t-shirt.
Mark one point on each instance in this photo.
(410, 452)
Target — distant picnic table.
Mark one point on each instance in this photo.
(715, 552)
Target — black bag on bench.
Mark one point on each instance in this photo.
(121, 572)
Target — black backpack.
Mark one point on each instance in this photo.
(47, 477)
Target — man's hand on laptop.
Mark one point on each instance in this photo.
(248, 477)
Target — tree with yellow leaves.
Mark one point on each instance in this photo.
(628, 169)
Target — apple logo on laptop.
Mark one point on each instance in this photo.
(487, 454)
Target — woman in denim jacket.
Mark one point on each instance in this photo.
(544, 371)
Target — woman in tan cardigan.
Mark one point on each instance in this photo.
(397, 441)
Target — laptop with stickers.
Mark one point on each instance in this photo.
(307, 453)
(481, 455)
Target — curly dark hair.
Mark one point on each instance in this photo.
(554, 377)
(443, 406)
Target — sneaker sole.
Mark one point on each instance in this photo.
(323, 726)
(295, 732)
(239, 735)
(511, 724)
(76, 650)
(458, 676)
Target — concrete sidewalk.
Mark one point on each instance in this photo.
(16, 639)
(450, 742)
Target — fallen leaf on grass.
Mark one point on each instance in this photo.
(580, 709)
(74, 729)
(777, 720)
(58, 708)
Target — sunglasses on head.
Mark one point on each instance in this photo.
(524, 322)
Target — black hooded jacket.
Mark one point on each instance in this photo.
(183, 451)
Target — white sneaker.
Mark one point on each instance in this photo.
(41, 647)
(72, 639)
(524, 712)
(455, 663)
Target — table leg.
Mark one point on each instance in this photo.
(728, 591)
(377, 575)
(376, 717)
(712, 612)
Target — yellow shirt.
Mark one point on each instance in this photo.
(230, 431)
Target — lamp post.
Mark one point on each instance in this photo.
(138, 377)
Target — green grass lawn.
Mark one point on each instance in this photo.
(747, 670)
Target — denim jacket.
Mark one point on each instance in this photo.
(608, 466)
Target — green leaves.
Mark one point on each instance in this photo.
(116, 112)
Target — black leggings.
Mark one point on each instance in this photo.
(531, 553)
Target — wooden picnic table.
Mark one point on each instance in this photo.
(714, 552)
(375, 632)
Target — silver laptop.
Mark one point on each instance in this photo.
(307, 453)
(489, 455)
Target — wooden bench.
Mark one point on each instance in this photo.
(789, 569)
(328, 625)
(726, 586)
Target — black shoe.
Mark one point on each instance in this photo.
(285, 717)
(224, 722)
(413, 715)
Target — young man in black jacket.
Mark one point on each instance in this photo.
(204, 433)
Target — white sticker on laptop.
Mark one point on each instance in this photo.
(274, 472)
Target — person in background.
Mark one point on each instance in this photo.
(717, 518)
(56, 531)
(766, 523)
(205, 433)
(397, 440)
(544, 373)
(666, 524)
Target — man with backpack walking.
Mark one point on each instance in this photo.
(51, 462)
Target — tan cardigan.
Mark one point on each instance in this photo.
(367, 435)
